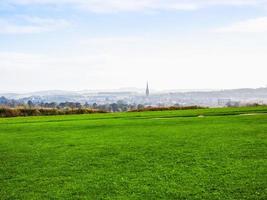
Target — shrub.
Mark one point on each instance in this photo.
(16, 112)
(167, 108)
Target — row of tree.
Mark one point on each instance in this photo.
(12, 108)
(119, 106)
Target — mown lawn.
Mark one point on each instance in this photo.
(194, 154)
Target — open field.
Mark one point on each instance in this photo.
(193, 154)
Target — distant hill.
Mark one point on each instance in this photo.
(138, 95)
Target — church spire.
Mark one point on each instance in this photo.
(147, 89)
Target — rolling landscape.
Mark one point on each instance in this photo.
(210, 98)
(194, 154)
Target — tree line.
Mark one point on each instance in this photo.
(13, 108)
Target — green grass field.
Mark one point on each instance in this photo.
(193, 154)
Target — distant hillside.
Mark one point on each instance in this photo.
(209, 98)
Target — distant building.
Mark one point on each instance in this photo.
(233, 104)
(147, 90)
(223, 102)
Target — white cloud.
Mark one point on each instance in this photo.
(30, 25)
(43, 62)
(258, 25)
(138, 5)
(32, 71)
(130, 61)
(111, 41)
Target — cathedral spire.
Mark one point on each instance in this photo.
(147, 89)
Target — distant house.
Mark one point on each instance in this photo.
(223, 102)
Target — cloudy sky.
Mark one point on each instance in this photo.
(108, 44)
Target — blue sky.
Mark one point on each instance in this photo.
(106, 44)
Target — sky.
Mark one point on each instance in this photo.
(109, 44)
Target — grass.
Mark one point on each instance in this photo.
(149, 155)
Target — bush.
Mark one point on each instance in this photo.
(167, 108)
(16, 112)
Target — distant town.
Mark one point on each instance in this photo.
(123, 100)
